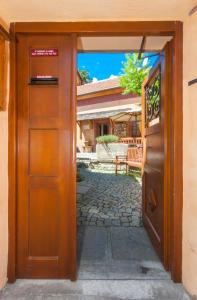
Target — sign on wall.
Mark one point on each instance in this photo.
(44, 52)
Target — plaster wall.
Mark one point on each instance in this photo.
(86, 10)
(85, 132)
(4, 189)
(190, 157)
(3, 198)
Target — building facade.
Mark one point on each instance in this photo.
(98, 104)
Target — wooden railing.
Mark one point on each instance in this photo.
(132, 140)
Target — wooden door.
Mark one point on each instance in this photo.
(156, 171)
(46, 209)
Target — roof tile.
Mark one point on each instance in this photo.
(97, 86)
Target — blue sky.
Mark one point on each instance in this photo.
(102, 65)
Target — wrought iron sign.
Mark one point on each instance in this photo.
(153, 98)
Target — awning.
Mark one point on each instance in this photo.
(125, 116)
(112, 114)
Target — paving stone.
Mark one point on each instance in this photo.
(107, 222)
(116, 222)
(123, 219)
(125, 224)
(110, 198)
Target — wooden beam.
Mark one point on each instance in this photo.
(4, 33)
(110, 28)
(142, 47)
(177, 156)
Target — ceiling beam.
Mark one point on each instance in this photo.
(96, 28)
(142, 47)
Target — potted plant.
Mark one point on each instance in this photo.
(108, 146)
(105, 139)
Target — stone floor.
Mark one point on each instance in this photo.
(117, 253)
(105, 199)
(94, 290)
(114, 263)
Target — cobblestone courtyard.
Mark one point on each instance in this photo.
(104, 199)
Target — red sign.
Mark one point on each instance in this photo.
(44, 52)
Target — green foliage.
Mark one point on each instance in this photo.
(85, 76)
(109, 138)
(134, 73)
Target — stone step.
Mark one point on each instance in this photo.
(95, 290)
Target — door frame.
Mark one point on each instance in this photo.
(175, 159)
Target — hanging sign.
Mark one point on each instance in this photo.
(44, 52)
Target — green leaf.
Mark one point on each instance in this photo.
(85, 76)
(134, 73)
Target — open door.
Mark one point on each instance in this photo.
(156, 95)
(46, 206)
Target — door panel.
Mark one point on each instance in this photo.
(155, 110)
(46, 220)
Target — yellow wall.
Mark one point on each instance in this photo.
(190, 157)
(3, 198)
(3, 192)
(92, 10)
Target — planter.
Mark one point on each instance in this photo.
(110, 150)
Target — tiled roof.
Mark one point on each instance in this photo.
(97, 86)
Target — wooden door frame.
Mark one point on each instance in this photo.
(112, 28)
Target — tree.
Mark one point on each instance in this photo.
(85, 76)
(134, 72)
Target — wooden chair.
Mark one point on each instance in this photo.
(132, 159)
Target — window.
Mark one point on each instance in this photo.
(103, 129)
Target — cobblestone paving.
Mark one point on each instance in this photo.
(110, 201)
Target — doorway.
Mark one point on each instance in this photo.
(109, 203)
(51, 169)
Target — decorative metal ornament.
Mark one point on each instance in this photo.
(153, 97)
